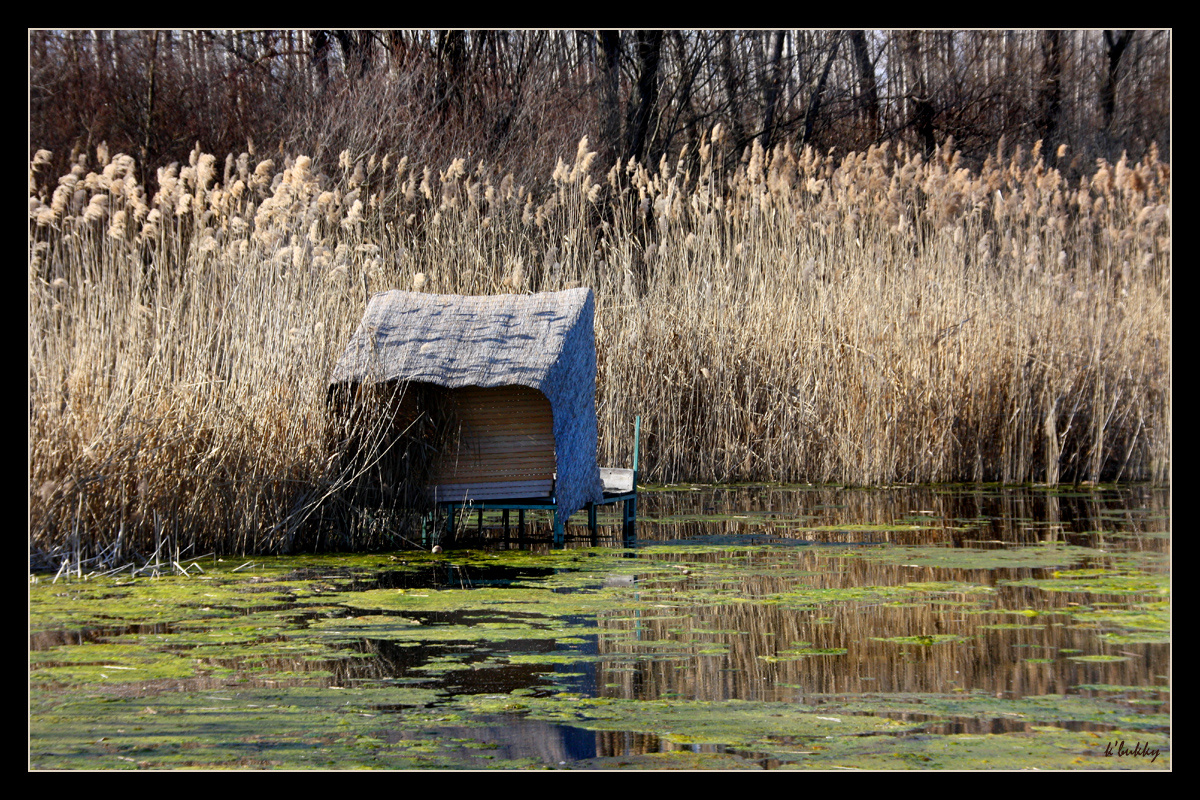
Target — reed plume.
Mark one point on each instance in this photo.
(868, 319)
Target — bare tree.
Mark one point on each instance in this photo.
(1116, 43)
(1051, 90)
(818, 89)
(771, 95)
(645, 100)
(610, 98)
(918, 94)
(519, 95)
(867, 86)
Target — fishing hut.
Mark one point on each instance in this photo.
(512, 380)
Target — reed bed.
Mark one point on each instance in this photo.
(791, 316)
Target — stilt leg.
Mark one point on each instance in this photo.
(633, 521)
(629, 522)
(560, 533)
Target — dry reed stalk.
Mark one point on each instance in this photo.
(867, 320)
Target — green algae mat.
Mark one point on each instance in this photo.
(951, 637)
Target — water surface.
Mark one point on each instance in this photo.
(748, 627)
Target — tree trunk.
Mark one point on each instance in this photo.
(814, 99)
(610, 101)
(688, 66)
(649, 45)
(771, 96)
(321, 45)
(451, 55)
(148, 122)
(1116, 44)
(398, 48)
(729, 72)
(1051, 89)
(922, 105)
(356, 52)
(868, 88)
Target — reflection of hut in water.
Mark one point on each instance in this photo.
(503, 388)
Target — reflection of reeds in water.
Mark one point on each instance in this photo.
(652, 657)
(908, 516)
(625, 743)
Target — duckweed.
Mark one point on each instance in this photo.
(889, 654)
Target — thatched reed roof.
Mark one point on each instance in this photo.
(545, 341)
